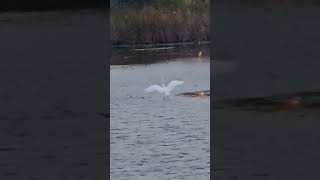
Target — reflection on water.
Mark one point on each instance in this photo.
(277, 102)
(153, 138)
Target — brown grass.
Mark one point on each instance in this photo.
(150, 25)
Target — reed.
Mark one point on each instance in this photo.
(160, 24)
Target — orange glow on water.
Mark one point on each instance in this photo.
(292, 104)
(200, 54)
(199, 94)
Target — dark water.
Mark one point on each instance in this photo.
(50, 126)
(153, 138)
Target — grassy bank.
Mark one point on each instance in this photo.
(160, 22)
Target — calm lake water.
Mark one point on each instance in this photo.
(153, 138)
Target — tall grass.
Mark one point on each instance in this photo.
(161, 23)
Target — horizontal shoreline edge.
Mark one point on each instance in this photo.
(161, 44)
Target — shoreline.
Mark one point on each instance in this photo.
(162, 44)
(155, 54)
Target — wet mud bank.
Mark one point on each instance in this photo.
(281, 102)
(195, 94)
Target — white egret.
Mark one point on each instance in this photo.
(164, 89)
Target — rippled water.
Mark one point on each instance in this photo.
(153, 138)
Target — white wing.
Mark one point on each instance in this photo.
(173, 84)
(154, 88)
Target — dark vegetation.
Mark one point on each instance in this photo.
(159, 21)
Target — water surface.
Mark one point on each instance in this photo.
(152, 138)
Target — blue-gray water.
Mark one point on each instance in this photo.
(152, 138)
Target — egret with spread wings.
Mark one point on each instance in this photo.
(164, 89)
